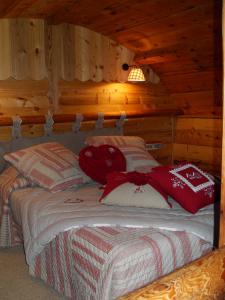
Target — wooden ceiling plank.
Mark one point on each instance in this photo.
(185, 20)
(17, 8)
(121, 14)
(176, 51)
(45, 9)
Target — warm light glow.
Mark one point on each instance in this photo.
(136, 74)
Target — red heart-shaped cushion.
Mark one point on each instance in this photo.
(99, 161)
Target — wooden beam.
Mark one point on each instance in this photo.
(202, 279)
(222, 206)
(64, 118)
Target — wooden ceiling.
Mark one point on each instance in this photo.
(178, 38)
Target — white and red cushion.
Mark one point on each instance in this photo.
(99, 161)
(133, 189)
(133, 148)
(50, 165)
(187, 184)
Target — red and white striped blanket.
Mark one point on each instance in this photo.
(105, 263)
(98, 262)
(10, 180)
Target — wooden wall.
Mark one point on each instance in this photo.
(114, 97)
(198, 139)
(33, 50)
(69, 69)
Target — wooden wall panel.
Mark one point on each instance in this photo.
(198, 102)
(199, 140)
(154, 129)
(23, 53)
(222, 204)
(88, 55)
(76, 96)
(5, 53)
(23, 97)
(33, 49)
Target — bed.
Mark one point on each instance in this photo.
(87, 250)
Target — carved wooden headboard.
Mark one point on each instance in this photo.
(74, 139)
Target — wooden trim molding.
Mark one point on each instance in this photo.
(64, 118)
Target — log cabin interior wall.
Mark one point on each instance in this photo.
(70, 69)
(180, 40)
(45, 65)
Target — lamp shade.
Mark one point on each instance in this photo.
(136, 74)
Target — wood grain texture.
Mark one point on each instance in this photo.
(182, 40)
(222, 205)
(115, 97)
(23, 97)
(27, 49)
(199, 140)
(201, 280)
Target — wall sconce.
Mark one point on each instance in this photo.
(136, 74)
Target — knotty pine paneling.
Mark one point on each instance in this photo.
(76, 96)
(22, 53)
(23, 97)
(199, 140)
(154, 129)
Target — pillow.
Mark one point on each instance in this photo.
(99, 161)
(117, 141)
(50, 165)
(133, 148)
(133, 189)
(186, 184)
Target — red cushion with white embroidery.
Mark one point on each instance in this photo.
(99, 161)
(133, 189)
(187, 184)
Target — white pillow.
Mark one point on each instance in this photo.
(129, 194)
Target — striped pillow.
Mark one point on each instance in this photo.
(117, 141)
(50, 165)
(132, 147)
(138, 159)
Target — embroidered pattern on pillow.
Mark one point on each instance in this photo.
(186, 184)
(193, 177)
(133, 189)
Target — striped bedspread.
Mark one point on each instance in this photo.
(110, 262)
(73, 251)
(105, 263)
(10, 180)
